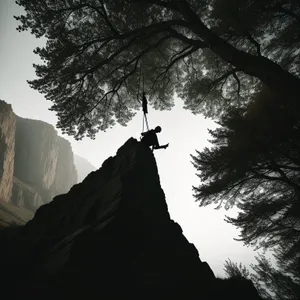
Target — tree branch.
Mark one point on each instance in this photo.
(165, 4)
(180, 52)
(261, 67)
(167, 68)
(287, 12)
(189, 41)
(123, 79)
(228, 73)
(253, 41)
(105, 16)
(238, 83)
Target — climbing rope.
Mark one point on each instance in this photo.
(144, 105)
(145, 121)
(139, 85)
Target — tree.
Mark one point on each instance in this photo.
(212, 54)
(273, 283)
(270, 283)
(254, 163)
(234, 270)
(250, 148)
(237, 284)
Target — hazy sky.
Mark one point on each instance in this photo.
(184, 131)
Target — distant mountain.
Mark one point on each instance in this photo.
(35, 163)
(83, 167)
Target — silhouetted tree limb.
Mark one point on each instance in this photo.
(97, 41)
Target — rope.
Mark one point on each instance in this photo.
(146, 121)
(140, 75)
(143, 83)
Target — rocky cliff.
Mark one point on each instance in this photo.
(11, 215)
(35, 163)
(7, 152)
(110, 237)
(43, 160)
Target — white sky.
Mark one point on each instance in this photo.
(185, 132)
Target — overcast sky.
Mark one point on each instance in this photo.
(205, 227)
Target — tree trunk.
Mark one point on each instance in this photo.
(270, 73)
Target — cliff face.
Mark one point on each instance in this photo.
(23, 195)
(7, 153)
(109, 237)
(11, 215)
(43, 160)
(83, 167)
(66, 173)
(36, 152)
(35, 163)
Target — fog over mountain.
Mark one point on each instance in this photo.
(83, 167)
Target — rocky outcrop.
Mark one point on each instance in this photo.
(109, 237)
(7, 153)
(12, 216)
(25, 196)
(83, 167)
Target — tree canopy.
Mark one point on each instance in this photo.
(254, 163)
(213, 54)
(234, 270)
(273, 283)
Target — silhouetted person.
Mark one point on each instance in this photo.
(150, 139)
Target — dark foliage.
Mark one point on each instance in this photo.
(255, 164)
(234, 270)
(273, 283)
(211, 53)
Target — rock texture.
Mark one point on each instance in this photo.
(65, 173)
(43, 160)
(35, 163)
(110, 237)
(25, 196)
(11, 215)
(83, 167)
(7, 153)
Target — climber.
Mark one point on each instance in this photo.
(150, 139)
